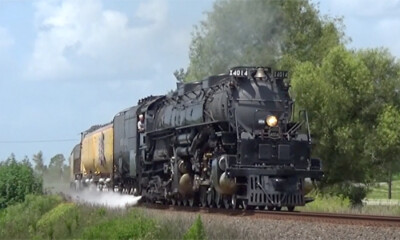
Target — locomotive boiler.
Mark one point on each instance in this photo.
(230, 140)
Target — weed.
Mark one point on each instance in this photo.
(101, 211)
(327, 203)
(60, 220)
(196, 231)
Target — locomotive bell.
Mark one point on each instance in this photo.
(260, 73)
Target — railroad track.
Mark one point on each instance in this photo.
(335, 218)
(370, 220)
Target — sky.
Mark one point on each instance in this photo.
(68, 65)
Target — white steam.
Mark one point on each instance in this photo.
(106, 199)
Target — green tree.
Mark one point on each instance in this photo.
(334, 94)
(386, 147)
(57, 167)
(57, 162)
(260, 32)
(10, 159)
(385, 76)
(384, 72)
(40, 167)
(17, 179)
(57, 174)
(26, 162)
(346, 96)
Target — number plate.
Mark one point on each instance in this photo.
(239, 72)
(281, 74)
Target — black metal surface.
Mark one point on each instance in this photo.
(237, 171)
(125, 144)
(76, 159)
(264, 191)
(273, 152)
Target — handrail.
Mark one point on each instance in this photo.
(308, 126)
(303, 115)
(237, 128)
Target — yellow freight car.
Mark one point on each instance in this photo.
(97, 151)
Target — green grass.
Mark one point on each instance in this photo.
(338, 204)
(380, 191)
(130, 226)
(335, 204)
(396, 177)
(326, 203)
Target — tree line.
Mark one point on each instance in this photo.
(20, 178)
(351, 95)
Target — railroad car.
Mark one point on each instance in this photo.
(232, 140)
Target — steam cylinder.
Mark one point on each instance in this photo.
(186, 184)
(227, 185)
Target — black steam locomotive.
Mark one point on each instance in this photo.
(229, 140)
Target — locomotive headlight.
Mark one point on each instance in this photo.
(271, 121)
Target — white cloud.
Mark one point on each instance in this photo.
(152, 10)
(6, 39)
(82, 39)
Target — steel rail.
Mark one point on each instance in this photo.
(336, 218)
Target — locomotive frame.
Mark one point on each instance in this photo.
(228, 140)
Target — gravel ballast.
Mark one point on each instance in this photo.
(247, 227)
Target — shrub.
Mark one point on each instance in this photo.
(355, 193)
(17, 179)
(196, 231)
(19, 221)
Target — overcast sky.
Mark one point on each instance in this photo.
(67, 65)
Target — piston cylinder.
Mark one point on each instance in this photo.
(226, 184)
(186, 184)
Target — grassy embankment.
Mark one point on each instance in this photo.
(51, 217)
